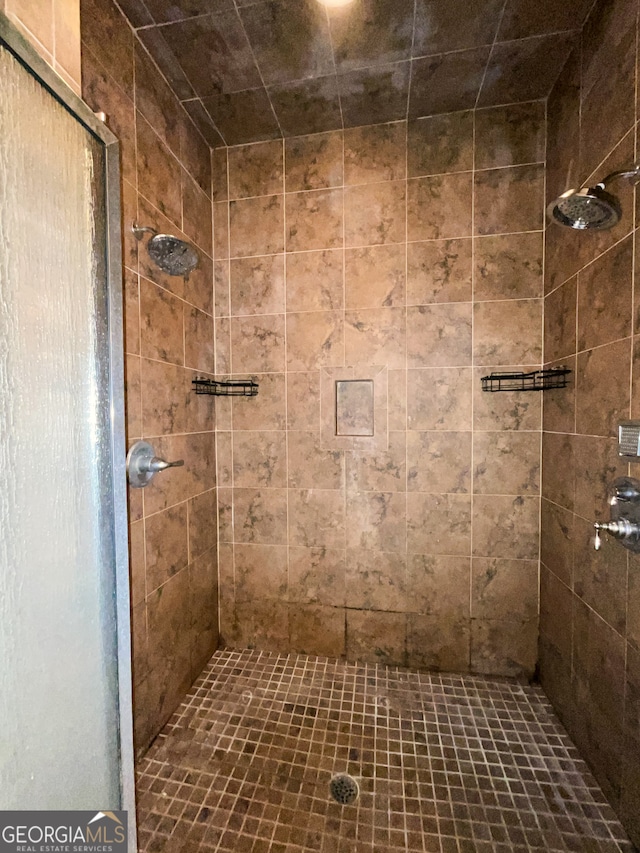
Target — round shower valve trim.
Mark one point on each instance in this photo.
(143, 464)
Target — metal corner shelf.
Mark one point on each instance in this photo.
(537, 380)
(230, 388)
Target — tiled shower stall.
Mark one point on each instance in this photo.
(415, 255)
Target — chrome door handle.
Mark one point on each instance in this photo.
(143, 464)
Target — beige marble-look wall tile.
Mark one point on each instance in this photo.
(317, 576)
(198, 340)
(508, 266)
(316, 518)
(260, 571)
(506, 463)
(506, 526)
(256, 169)
(506, 411)
(260, 516)
(378, 471)
(376, 637)
(508, 332)
(314, 162)
(137, 569)
(600, 580)
(163, 403)
(310, 465)
(303, 400)
(437, 644)
(315, 339)
(510, 135)
(178, 484)
(438, 524)
(133, 396)
(375, 153)
(439, 586)
(375, 214)
(439, 207)
(266, 413)
(203, 528)
(503, 647)
(559, 479)
(602, 390)
(263, 624)
(605, 297)
(441, 143)
(560, 316)
(439, 271)
(257, 344)
(439, 462)
(197, 214)
(219, 174)
(375, 580)
(557, 540)
(257, 285)
(318, 630)
(315, 280)
(259, 459)
(159, 173)
(167, 545)
(221, 283)
(375, 336)
(504, 589)
(439, 335)
(376, 521)
(314, 220)
(161, 334)
(375, 276)
(509, 200)
(256, 226)
(221, 230)
(439, 398)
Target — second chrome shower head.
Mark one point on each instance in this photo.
(169, 253)
(591, 208)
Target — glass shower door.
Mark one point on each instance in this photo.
(65, 703)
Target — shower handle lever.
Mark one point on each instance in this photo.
(143, 464)
(157, 464)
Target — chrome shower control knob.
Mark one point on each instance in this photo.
(143, 464)
(620, 529)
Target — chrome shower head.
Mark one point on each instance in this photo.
(169, 253)
(591, 208)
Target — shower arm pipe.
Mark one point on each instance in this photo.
(139, 230)
(632, 175)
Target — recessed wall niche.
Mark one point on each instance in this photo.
(353, 408)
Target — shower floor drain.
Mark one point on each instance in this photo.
(344, 789)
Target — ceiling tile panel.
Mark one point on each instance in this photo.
(166, 61)
(165, 11)
(214, 52)
(251, 70)
(307, 106)
(374, 95)
(203, 122)
(290, 39)
(522, 18)
(243, 116)
(371, 32)
(447, 83)
(441, 27)
(524, 70)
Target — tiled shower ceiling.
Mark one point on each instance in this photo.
(249, 71)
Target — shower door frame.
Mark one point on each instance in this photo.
(12, 40)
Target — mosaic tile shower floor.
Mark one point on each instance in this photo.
(444, 763)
